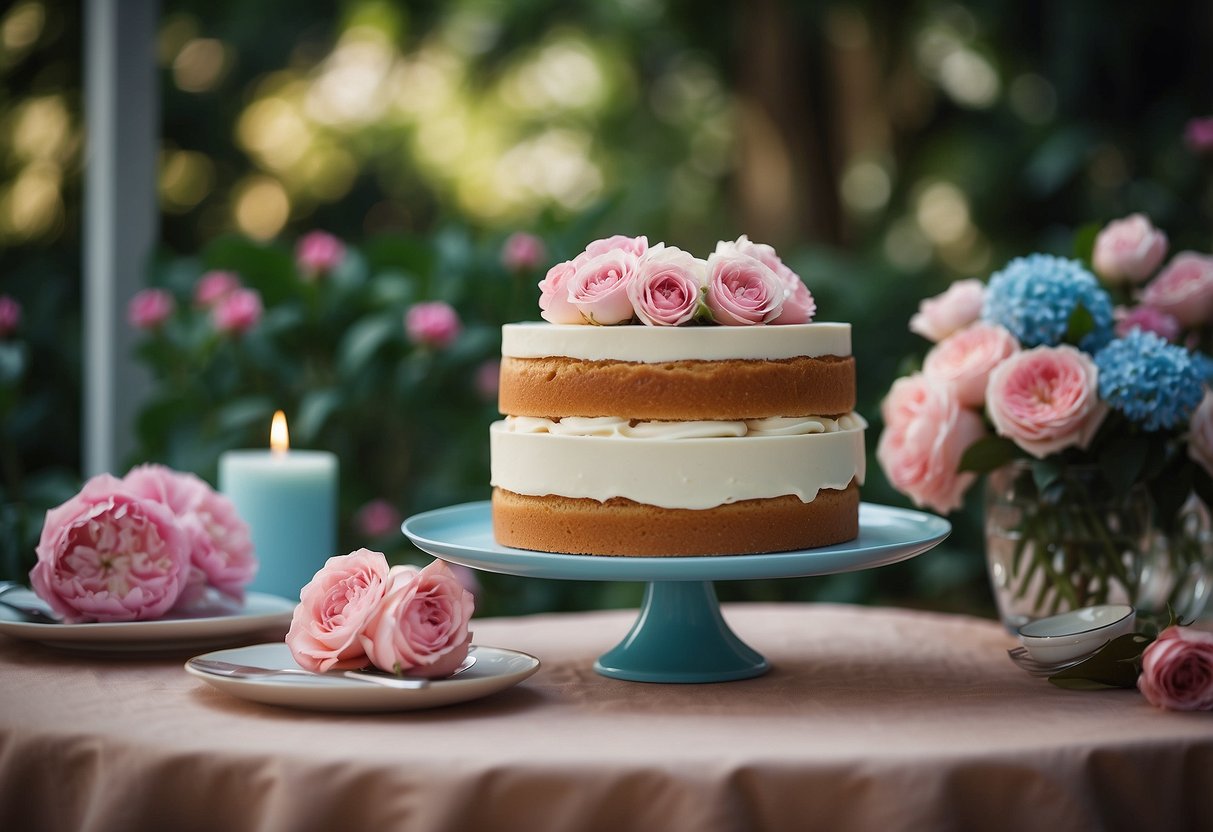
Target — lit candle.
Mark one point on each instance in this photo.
(289, 500)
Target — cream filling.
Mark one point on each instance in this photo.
(703, 429)
(657, 344)
(692, 472)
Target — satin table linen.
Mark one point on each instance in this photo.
(871, 719)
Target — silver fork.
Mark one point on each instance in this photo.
(1021, 657)
(244, 671)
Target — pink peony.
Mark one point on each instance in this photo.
(742, 291)
(1198, 135)
(10, 316)
(110, 555)
(377, 519)
(967, 357)
(214, 286)
(432, 323)
(523, 252)
(798, 305)
(1129, 250)
(635, 246)
(554, 295)
(1200, 438)
(1177, 670)
(421, 626)
(334, 609)
(1147, 319)
(926, 432)
(667, 287)
(488, 379)
(318, 253)
(957, 307)
(599, 287)
(1184, 289)
(150, 308)
(238, 312)
(1046, 399)
(221, 550)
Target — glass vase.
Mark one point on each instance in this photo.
(1075, 542)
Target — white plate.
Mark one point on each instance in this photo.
(260, 612)
(496, 669)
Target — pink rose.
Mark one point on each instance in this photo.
(523, 252)
(109, 555)
(1046, 399)
(957, 307)
(635, 246)
(377, 519)
(554, 295)
(1177, 670)
(1147, 319)
(1184, 289)
(1128, 250)
(967, 357)
(421, 627)
(488, 379)
(334, 609)
(10, 316)
(238, 312)
(1200, 438)
(1198, 135)
(742, 291)
(667, 287)
(599, 287)
(926, 432)
(432, 323)
(798, 306)
(150, 308)
(221, 550)
(317, 253)
(214, 286)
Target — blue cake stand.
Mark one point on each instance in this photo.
(680, 635)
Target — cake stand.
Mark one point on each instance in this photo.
(679, 635)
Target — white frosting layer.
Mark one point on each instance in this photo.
(686, 472)
(615, 426)
(655, 344)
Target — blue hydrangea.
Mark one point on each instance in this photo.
(1153, 383)
(1034, 297)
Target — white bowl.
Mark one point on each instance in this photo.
(1079, 632)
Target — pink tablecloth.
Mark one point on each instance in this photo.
(871, 719)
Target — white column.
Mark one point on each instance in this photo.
(122, 115)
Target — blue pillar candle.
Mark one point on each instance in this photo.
(289, 500)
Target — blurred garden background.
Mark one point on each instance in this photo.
(884, 149)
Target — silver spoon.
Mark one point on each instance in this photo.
(244, 671)
(1024, 660)
(31, 613)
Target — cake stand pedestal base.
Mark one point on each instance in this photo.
(680, 636)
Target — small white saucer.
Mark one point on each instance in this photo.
(1070, 635)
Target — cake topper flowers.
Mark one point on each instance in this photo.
(624, 280)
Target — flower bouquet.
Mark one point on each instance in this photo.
(1086, 404)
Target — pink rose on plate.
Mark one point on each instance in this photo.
(523, 252)
(377, 519)
(635, 246)
(221, 550)
(554, 302)
(957, 307)
(1200, 436)
(1184, 289)
(798, 306)
(214, 286)
(150, 308)
(334, 609)
(1128, 250)
(432, 323)
(110, 555)
(926, 432)
(237, 312)
(743, 291)
(1147, 319)
(667, 287)
(421, 627)
(966, 358)
(1177, 670)
(599, 287)
(1046, 399)
(10, 316)
(318, 253)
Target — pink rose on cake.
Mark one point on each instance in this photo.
(554, 302)
(108, 554)
(334, 608)
(635, 246)
(798, 305)
(958, 306)
(743, 291)
(599, 287)
(967, 358)
(668, 286)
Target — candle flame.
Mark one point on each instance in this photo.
(280, 440)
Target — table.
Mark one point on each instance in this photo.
(871, 719)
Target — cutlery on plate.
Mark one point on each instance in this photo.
(1021, 657)
(244, 671)
(33, 614)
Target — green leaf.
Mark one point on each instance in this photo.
(363, 340)
(1084, 241)
(1080, 325)
(314, 411)
(1115, 665)
(239, 414)
(1045, 472)
(987, 454)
